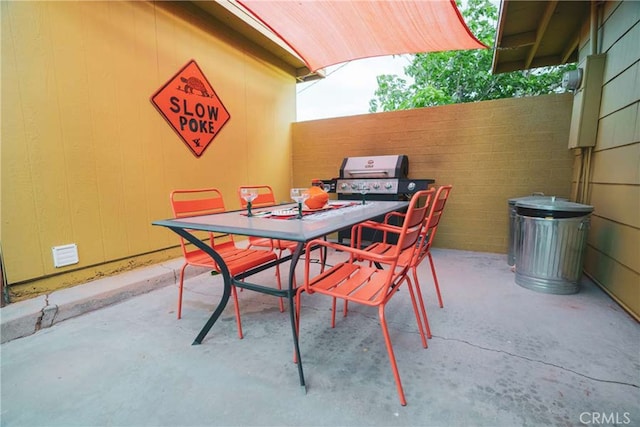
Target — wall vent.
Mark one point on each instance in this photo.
(65, 255)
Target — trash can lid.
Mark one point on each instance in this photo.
(552, 208)
(555, 205)
(534, 198)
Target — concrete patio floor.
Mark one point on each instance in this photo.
(500, 355)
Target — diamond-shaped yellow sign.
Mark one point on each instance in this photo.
(191, 107)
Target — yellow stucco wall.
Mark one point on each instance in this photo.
(489, 151)
(87, 159)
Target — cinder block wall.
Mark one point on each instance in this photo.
(490, 151)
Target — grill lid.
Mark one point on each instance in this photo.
(395, 166)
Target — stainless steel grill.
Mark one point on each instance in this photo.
(386, 178)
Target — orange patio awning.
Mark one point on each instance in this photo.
(325, 33)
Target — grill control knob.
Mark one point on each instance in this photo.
(344, 186)
(376, 185)
(354, 186)
(411, 186)
(388, 185)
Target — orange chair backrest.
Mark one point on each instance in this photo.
(201, 201)
(411, 226)
(438, 208)
(422, 206)
(415, 217)
(431, 223)
(195, 202)
(265, 197)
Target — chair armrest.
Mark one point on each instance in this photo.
(390, 215)
(372, 225)
(379, 226)
(387, 218)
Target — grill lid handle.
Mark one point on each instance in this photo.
(373, 173)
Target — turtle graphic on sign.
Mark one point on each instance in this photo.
(194, 83)
(191, 107)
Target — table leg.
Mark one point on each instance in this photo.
(227, 292)
(324, 255)
(225, 275)
(292, 310)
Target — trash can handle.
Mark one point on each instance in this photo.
(584, 224)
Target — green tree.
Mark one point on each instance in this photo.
(454, 77)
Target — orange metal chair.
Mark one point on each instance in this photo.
(208, 201)
(429, 234)
(375, 281)
(413, 259)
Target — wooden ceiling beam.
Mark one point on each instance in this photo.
(518, 40)
(542, 28)
(570, 48)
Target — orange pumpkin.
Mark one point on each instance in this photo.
(317, 198)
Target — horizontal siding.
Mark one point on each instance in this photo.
(617, 166)
(619, 241)
(619, 128)
(620, 281)
(623, 54)
(617, 203)
(622, 91)
(618, 19)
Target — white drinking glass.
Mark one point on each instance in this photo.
(249, 195)
(299, 195)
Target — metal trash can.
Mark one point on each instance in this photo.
(552, 236)
(513, 232)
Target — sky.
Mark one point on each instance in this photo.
(347, 88)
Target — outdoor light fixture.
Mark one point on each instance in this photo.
(571, 80)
